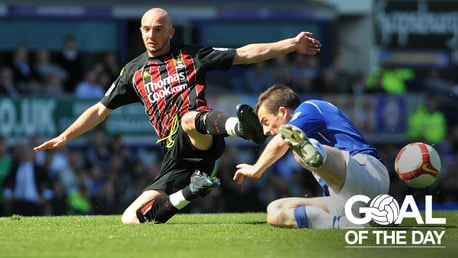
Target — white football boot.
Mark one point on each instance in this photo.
(309, 150)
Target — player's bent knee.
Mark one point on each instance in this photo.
(274, 206)
(280, 213)
(127, 218)
(272, 219)
(188, 121)
(274, 214)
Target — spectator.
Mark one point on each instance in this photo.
(448, 183)
(452, 88)
(81, 201)
(98, 152)
(27, 186)
(44, 67)
(304, 85)
(376, 86)
(72, 179)
(89, 87)
(308, 67)
(427, 123)
(53, 162)
(392, 79)
(326, 81)
(23, 71)
(257, 78)
(53, 85)
(342, 75)
(358, 84)
(5, 165)
(140, 174)
(7, 85)
(111, 65)
(68, 175)
(434, 83)
(236, 198)
(282, 70)
(104, 80)
(71, 61)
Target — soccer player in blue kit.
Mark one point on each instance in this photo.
(324, 142)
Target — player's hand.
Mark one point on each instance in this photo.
(51, 144)
(244, 170)
(306, 44)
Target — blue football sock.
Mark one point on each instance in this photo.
(301, 217)
(315, 217)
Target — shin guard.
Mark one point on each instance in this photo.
(213, 122)
(157, 210)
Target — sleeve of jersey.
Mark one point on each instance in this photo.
(212, 58)
(120, 92)
(308, 118)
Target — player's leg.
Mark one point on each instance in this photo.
(161, 208)
(200, 125)
(333, 170)
(180, 179)
(280, 212)
(129, 215)
(157, 206)
(305, 213)
(327, 162)
(365, 175)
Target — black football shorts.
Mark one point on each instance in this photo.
(182, 159)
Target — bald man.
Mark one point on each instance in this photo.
(168, 79)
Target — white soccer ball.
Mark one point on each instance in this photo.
(418, 165)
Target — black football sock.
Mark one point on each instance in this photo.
(158, 210)
(188, 194)
(217, 123)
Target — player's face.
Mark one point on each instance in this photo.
(270, 122)
(157, 31)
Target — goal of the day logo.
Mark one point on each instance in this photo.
(384, 210)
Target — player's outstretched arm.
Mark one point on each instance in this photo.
(303, 43)
(274, 150)
(90, 118)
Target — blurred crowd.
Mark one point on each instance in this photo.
(104, 175)
(51, 74)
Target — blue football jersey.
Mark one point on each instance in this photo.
(324, 122)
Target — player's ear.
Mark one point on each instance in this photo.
(282, 111)
(172, 32)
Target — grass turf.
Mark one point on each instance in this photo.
(192, 235)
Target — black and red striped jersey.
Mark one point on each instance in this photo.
(168, 86)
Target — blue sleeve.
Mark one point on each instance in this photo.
(309, 118)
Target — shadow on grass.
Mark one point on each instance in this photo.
(215, 222)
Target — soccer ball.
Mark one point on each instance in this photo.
(418, 165)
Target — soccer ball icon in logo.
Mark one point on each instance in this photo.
(385, 209)
(418, 165)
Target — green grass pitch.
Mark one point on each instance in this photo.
(226, 235)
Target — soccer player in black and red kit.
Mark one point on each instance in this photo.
(169, 80)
